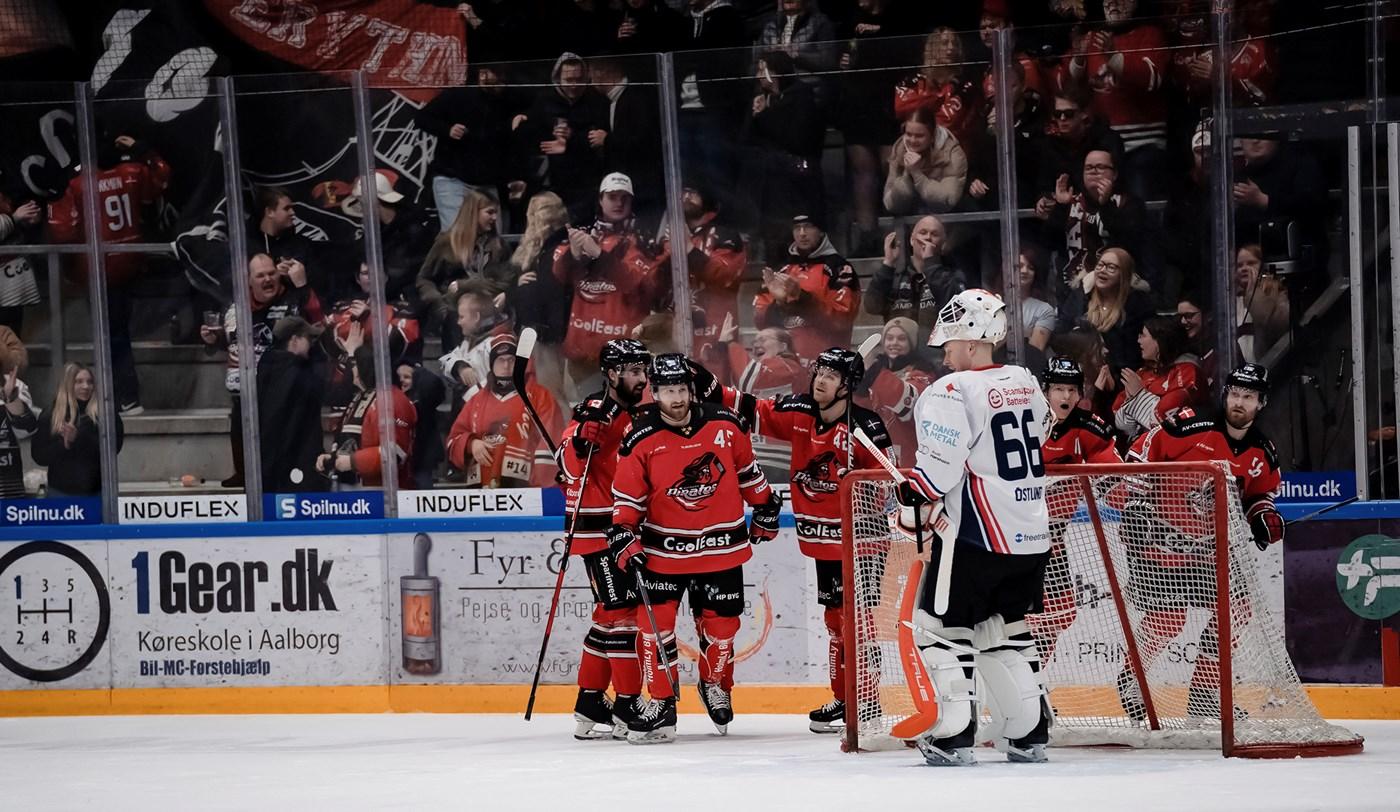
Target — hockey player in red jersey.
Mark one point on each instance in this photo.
(818, 424)
(1076, 436)
(686, 470)
(1183, 536)
(588, 463)
(493, 438)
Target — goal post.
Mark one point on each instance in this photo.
(1153, 630)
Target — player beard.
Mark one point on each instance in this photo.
(629, 397)
(1237, 418)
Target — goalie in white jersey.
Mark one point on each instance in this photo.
(980, 482)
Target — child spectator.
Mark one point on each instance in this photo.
(893, 382)
(493, 440)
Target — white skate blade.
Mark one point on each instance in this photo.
(587, 729)
(938, 757)
(1034, 754)
(827, 727)
(722, 730)
(661, 735)
(619, 730)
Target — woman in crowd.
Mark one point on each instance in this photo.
(1261, 304)
(538, 300)
(927, 169)
(67, 439)
(1170, 378)
(469, 250)
(893, 382)
(943, 84)
(1113, 301)
(1037, 315)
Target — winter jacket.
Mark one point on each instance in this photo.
(913, 294)
(1121, 340)
(927, 189)
(290, 392)
(811, 36)
(489, 262)
(825, 309)
(480, 156)
(75, 470)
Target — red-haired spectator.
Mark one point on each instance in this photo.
(815, 296)
(894, 379)
(927, 169)
(1170, 378)
(493, 440)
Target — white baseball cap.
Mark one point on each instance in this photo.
(616, 182)
(383, 189)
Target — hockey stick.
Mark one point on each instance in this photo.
(558, 586)
(660, 646)
(866, 347)
(1317, 513)
(524, 348)
(945, 548)
(916, 674)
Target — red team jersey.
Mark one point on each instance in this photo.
(819, 462)
(1082, 437)
(685, 488)
(1187, 437)
(612, 294)
(123, 192)
(360, 424)
(503, 424)
(595, 502)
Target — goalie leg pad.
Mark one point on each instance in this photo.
(949, 656)
(1007, 664)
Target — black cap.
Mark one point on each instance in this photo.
(807, 219)
(1250, 376)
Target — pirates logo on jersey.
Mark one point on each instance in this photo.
(698, 482)
(819, 476)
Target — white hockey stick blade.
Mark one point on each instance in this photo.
(945, 574)
(868, 345)
(525, 347)
(864, 439)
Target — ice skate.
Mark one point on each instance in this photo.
(952, 751)
(593, 713)
(626, 709)
(656, 724)
(829, 718)
(717, 704)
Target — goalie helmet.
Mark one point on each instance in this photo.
(847, 364)
(621, 352)
(670, 368)
(1253, 377)
(973, 315)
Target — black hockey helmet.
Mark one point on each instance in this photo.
(1254, 377)
(847, 364)
(670, 368)
(1062, 369)
(621, 352)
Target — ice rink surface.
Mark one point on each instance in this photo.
(431, 762)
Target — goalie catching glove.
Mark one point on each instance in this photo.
(1267, 526)
(764, 525)
(626, 548)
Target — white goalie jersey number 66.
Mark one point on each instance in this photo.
(980, 434)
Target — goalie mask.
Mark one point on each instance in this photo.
(972, 315)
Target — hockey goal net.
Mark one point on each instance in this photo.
(1152, 567)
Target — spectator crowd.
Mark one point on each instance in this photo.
(839, 174)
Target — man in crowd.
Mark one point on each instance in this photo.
(553, 136)
(615, 274)
(1098, 217)
(404, 235)
(290, 385)
(356, 456)
(718, 257)
(815, 296)
(274, 233)
(629, 140)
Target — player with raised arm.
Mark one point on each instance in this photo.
(1076, 436)
(818, 425)
(590, 444)
(1179, 538)
(980, 432)
(685, 472)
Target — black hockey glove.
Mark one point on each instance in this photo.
(908, 497)
(1267, 527)
(764, 525)
(626, 548)
(707, 386)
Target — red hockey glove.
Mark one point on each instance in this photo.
(588, 437)
(764, 525)
(626, 548)
(1267, 526)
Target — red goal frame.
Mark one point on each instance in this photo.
(1083, 474)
